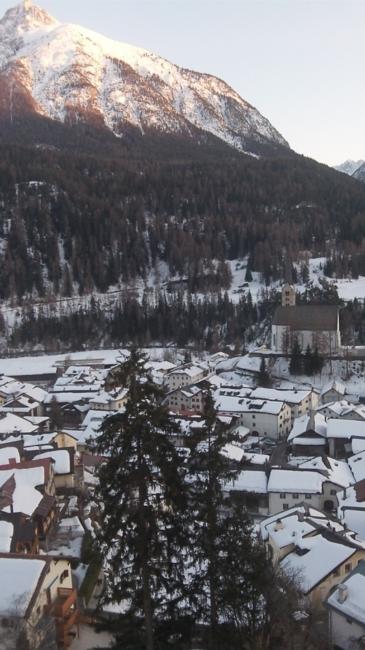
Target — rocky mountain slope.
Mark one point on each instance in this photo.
(70, 74)
(349, 166)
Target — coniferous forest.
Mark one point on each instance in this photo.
(73, 223)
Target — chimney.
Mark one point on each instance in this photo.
(343, 592)
(311, 423)
(278, 525)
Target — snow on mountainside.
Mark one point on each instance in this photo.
(68, 73)
(359, 173)
(349, 166)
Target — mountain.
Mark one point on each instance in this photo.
(359, 173)
(71, 75)
(349, 166)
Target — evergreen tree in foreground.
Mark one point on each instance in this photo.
(209, 469)
(142, 504)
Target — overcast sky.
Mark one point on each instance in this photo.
(300, 62)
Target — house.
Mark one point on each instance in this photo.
(308, 436)
(281, 531)
(316, 326)
(249, 487)
(351, 507)
(64, 470)
(184, 375)
(342, 409)
(114, 400)
(333, 391)
(266, 417)
(13, 424)
(313, 482)
(341, 434)
(301, 402)
(18, 534)
(346, 611)
(321, 561)
(189, 399)
(37, 598)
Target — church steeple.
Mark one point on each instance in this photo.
(288, 295)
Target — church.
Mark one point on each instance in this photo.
(315, 325)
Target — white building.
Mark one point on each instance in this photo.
(332, 391)
(312, 483)
(316, 326)
(301, 401)
(346, 611)
(184, 376)
(266, 417)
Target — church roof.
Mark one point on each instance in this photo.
(308, 317)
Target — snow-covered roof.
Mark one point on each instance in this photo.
(268, 522)
(293, 396)
(357, 445)
(353, 605)
(322, 556)
(12, 423)
(341, 428)
(248, 481)
(303, 423)
(31, 440)
(233, 452)
(19, 581)
(191, 371)
(287, 530)
(91, 424)
(61, 458)
(357, 466)
(69, 398)
(227, 402)
(291, 480)
(26, 497)
(9, 453)
(338, 471)
(336, 385)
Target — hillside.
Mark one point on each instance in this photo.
(70, 74)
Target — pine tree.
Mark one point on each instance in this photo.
(142, 501)
(308, 361)
(317, 361)
(263, 378)
(296, 361)
(55, 414)
(209, 469)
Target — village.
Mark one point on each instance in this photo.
(301, 452)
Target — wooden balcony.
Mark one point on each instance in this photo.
(66, 614)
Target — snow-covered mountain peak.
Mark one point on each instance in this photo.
(21, 24)
(69, 73)
(26, 17)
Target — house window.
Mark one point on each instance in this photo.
(282, 495)
(333, 493)
(336, 572)
(285, 506)
(295, 496)
(348, 567)
(307, 496)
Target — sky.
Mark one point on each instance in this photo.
(299, 62)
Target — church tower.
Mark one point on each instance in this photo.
(288, 295)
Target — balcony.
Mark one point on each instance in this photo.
(65, 612)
